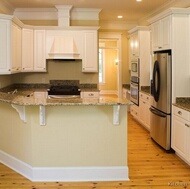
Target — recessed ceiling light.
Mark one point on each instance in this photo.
(120, 16)
(138, 0)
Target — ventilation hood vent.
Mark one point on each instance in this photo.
(63, 48)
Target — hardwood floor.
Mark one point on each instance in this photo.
(149, 167)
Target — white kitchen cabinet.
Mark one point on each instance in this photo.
(90, 94)
(134, 45)
(161, 34)
(140, 48)
(176, 36)
(10, 53)
(39, 50)
(134, 110)
(144, 112)
(16, 48)
(90, 56)
(181, 133)
(27, 50)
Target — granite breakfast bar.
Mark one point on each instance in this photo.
(64, 139)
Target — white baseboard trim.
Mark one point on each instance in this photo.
(109, 92)
(65, 174)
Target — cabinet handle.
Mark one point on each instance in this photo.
(179, 112)
(187, 125)
(91, 94)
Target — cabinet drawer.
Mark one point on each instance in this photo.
(181, 113)
(145, 97)
(90, 94)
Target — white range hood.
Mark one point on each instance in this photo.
(63, 48)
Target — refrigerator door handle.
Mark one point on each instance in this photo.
(156, 81)
(157, 113)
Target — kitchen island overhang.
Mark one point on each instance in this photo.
(78, 143)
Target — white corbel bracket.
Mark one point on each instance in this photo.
(21, 111)
(116, 112)
(42, 116)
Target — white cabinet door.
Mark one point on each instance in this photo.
(134, 45)
(39, 51)
(179, 136)
(181, 133)
(161, 34)
(134, 110)
(16, 48)
(90, 57)
(144, 112)
(5, 46)
(27, 50)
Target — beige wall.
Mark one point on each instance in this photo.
(60, 70)
(74, 136)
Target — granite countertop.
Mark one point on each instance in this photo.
(145, 89)
(25, 96)
(126, 86)
(183, 102)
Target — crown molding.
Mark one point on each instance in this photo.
(52, 13)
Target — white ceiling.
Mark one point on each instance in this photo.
(131, 10)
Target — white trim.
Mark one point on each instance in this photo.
(65, 174)
(117, 36)
(52, 13)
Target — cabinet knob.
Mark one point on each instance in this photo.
(179, 112)
(159, 47)
(187, 125)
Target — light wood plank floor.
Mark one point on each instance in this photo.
(149, 167)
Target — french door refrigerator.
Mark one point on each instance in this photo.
(160, 116)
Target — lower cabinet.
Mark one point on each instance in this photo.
(142, 113)
(181, 133)
(144, 105)
(134, 109)
(90, 94)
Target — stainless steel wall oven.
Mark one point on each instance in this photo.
(134, 87)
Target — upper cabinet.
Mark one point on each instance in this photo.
(33, 50)
(11, 39)
(39, 50)
(27, 50)
(90, 56)
(134, 45)
(161, 34)
(140, 48)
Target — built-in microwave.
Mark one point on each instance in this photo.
(135, 67)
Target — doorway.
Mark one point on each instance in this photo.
(110, 64)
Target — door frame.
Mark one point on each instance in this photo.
(116, 36)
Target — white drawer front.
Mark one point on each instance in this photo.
(90, 94)
(181, 113)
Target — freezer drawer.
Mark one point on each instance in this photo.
(160, 128)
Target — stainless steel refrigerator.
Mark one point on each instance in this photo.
(161, 89)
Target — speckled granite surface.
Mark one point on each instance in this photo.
(25, 96)
(183, 102)
(145, 89)
(126, 86)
